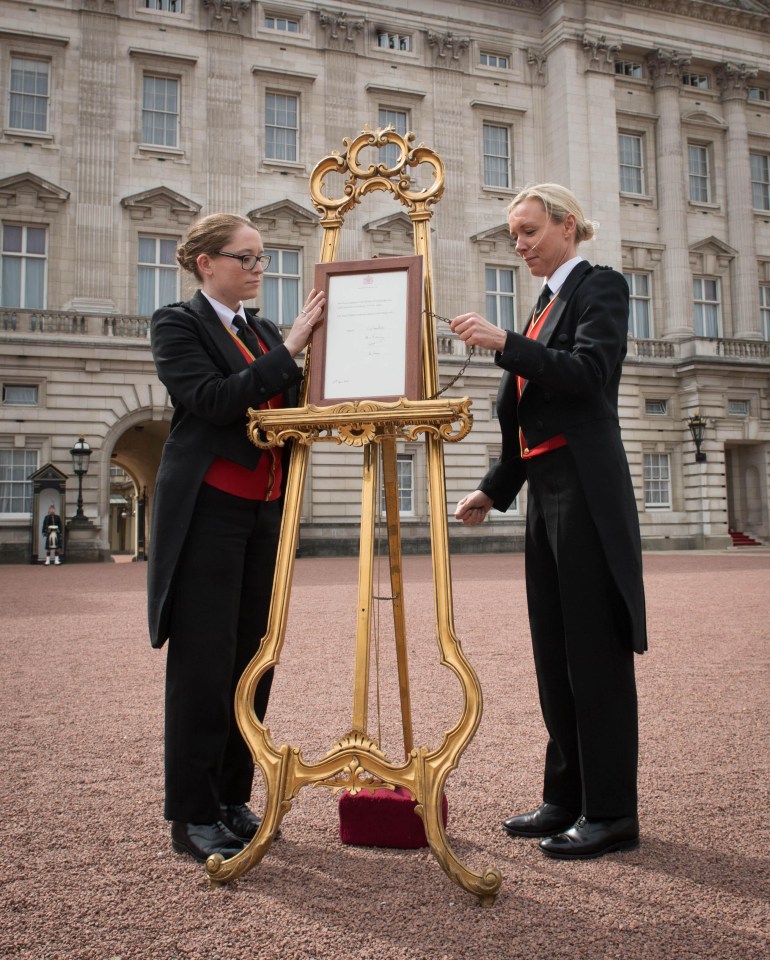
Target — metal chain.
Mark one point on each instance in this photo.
(463, 368)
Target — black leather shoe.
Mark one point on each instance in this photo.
(200, 840)
(593, 838)
(543, 822)
(241, 821)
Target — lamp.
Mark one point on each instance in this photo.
(697, 425)
(81, 456)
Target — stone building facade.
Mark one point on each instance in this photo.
(124, 120)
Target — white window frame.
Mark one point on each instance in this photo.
(35, 96)
(24, 257)
(500, 301)
(398, 42)
(21, 395)
(701, 303)
(698, 81)
(640, 301)
(29, 464)
(399, 117)
(272, 98)
(764, 309)
(657, 481)
(699, 173)
(279, 278)
(655, 407)
(159, 271)
(404, 483)
(625, 164)
(758, 94)
(760, 181)
(148, 112)
(282, 24)
(629, 68)
(504, 158)
(495, 61)
(164, 6)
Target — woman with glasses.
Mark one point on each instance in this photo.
(215, 523)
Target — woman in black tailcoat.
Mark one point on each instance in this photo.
(215, 524)
(558, 412)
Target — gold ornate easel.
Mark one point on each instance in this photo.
(356, 762)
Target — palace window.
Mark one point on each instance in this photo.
(29, 92)
(405, 483)
(500, 285)
(157, 274)
(496, 60)
(24, 266)
(287, 24)
(281, 286)
(738, 408)
(760, 181)
(708, 306)
(700, 175)
(394, 41)
(656, 408)
(630, 147)
(639, 305)
(21, 395)
(698, 80)
(497, 156)
(657, 481)
(764, 310)
(627, 68)
(759, 93)
(15, 487)
(168, 6)
(160, 111)
(281, 127)
(400, 120)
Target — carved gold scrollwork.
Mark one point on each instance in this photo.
(357, 422)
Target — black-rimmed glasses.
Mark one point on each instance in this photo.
(248, 260)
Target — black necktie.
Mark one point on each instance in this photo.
(247, 335)
(543, 300)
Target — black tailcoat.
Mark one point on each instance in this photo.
(573, 372)
(211, 385)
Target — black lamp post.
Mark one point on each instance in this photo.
(81, 456)
(697, 425)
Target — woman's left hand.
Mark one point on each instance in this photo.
(474, 330)
(305, 323)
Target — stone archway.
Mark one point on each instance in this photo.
(136, 444)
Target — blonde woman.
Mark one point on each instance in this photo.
(558, 412)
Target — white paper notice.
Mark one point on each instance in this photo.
(366, 317)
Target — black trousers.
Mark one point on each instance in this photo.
(583, 655)
(219, 615)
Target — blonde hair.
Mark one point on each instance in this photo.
(559, 203)
(208, 235)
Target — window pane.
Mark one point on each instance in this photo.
(34, 284)
(11, 238)
(11, 282)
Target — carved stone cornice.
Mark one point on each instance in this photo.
(227, 15)
(600, 53)
(753, 15)
(99, 6)
(340, 29)
(447, 47)
(665, 67)
(733, 80)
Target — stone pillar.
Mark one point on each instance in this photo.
(97, 111)
(665, 70)
(225, 158)
(733, 81)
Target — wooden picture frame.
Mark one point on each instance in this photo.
(369, 346)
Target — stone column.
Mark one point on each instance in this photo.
(97, 112)
(665, 70)
(225, 159)
(733, 82)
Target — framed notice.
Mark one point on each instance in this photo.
(369, 346)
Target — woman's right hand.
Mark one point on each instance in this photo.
(474, 508)
(305, 323)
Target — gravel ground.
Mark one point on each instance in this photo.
(89, 872)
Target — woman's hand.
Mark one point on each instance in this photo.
(473, 509)
(474, 330)
(306, 321)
